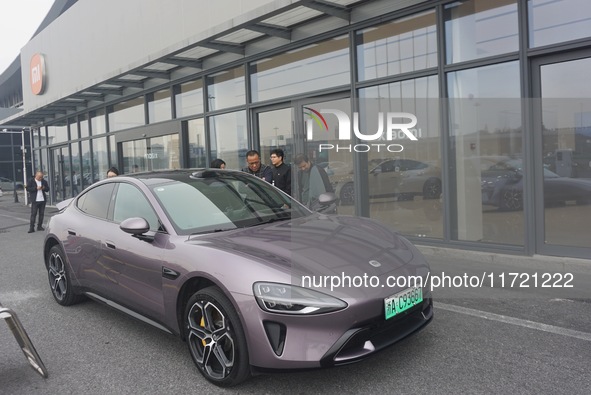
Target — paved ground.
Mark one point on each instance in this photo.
(486, 339)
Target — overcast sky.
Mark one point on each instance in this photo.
(19, 19)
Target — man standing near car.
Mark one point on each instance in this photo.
(281, 171)
(256, 168)
(312, 181)
(37, 187)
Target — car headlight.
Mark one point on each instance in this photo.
(289, 299)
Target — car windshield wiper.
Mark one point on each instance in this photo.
(215, 230)
(270, 220)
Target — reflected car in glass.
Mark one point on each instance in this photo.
(400, 178)
(502, 186)
(8, 185)
(236, 268)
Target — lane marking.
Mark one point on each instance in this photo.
(514, 321)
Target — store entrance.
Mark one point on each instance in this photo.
(147, 154)
(562, 121)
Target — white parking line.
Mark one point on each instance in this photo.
(515, 321)
(13, 217)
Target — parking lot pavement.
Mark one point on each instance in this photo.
(484, 339)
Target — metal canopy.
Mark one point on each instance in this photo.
(190, 60)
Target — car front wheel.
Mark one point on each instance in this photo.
(215, 338)
(59, 278)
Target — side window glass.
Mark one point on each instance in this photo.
(96, 201)
(131, 202)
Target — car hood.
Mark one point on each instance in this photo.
(321, 245)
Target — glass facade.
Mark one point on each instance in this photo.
(311, 68)
(458, 72)
(401, 46)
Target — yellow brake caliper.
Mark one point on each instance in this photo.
(202, 324)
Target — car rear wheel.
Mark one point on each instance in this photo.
(59, 278)
(215, 338)
(347, 195)
(432, 188)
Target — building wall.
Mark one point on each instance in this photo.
(88, 44)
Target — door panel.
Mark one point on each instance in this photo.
(562, 118)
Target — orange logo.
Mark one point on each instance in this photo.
(37, 74)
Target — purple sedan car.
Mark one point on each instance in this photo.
(249, 278)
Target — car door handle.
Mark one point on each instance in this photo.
(71, 232)
(110, 245)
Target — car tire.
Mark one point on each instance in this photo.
(432, 188)
(511, 200)
(215, 338)
(59, 278)
(347, 194)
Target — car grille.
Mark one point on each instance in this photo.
(357, 343)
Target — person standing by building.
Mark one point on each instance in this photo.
(256, 168)
(37, 187)
(281, 171)
(112, 172)
(312, 181)
(217, 164)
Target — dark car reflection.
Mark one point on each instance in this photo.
(502, 186)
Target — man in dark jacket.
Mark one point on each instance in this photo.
(37, 187)
(312, 181)
(281, 171)
(256, 168)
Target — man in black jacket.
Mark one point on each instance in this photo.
(256, 168)
(281, 171)
(37, 187)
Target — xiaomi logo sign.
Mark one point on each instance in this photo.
(37, 74)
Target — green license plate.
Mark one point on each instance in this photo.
(403, 301)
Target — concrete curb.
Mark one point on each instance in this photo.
(503, 261)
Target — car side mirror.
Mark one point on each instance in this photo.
(137, 227)
(327, 198)
(327, 203)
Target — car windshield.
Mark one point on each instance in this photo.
(217, 201)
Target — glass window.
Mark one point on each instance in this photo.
(552, 22)
(480, 28)
(566, 152)
(127, 114)
(404, 176)
(73, 179)
(275, 132)
(311, 68)
(73, 129)
(100, 157)
(97, 122)
(57, 134)
(84, 130)
(96, 201)
(229, 138)
(135, 156)
(35, 140)
(485, 127)
(160, 107)
(197, 154)
(189, 99)
(401, 46)
(131, 202)
(86, 164)
(226, 89)
(163, 152)
(113, 158)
